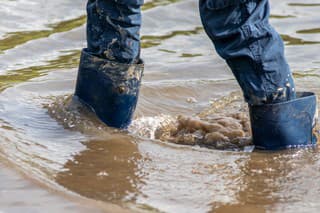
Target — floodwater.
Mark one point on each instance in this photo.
(69, 161)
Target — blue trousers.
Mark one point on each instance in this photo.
(239, 30)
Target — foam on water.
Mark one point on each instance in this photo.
(216, 127)
(148, 126)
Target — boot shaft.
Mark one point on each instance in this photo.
(286, 124)
(110, 89)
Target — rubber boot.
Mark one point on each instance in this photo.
(110, 89)
(285, 125)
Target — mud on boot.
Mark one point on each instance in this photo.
(110, 89)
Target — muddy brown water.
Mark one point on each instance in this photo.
(77, 163)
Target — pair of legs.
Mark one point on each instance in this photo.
(239, 30)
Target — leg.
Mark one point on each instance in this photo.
(254, 51)
(113, 29)
(110, 69)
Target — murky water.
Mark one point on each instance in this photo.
(56, 141)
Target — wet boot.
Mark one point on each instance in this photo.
(109, 89)
(286, 124)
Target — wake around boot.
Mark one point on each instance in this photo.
(286, 124)
(110, 89)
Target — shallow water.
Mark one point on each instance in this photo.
(65, 147)
(20, 193)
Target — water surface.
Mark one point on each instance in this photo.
(64, 146)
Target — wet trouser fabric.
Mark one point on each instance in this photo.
(113, 29)
(254, 51)
(241, 34)
(110, 69)
(239, 29)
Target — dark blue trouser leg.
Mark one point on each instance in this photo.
(113, 29)
(110, 69)
(254, 51)
(242, 35)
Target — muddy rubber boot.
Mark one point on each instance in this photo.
(110, 89)
(286, 124)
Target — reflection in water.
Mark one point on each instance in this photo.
(156, 3)
(108, 169)
(305, 74)
(14, 39)
(188, 55)
(290, 40)
(70, 60)
(304, 4)
(281, 16)
(151, 41)
(309, 31)
(272, 180)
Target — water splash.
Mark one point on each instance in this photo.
(148, 126)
